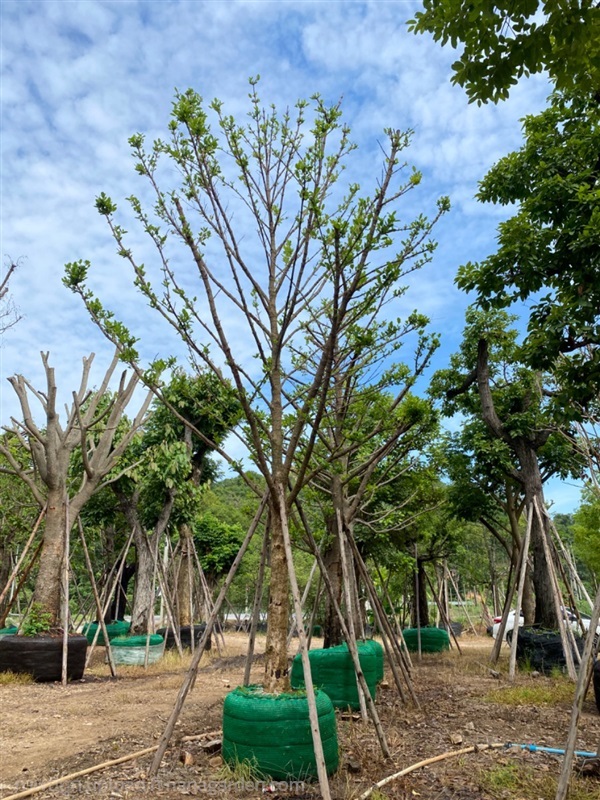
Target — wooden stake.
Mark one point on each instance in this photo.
(585, 673)
(258, 595)
(101, 622)
(351, 645)
(80, 774)
(308, 683)
(193, 668)
(15, 571)
(65, 593)
(522, 573)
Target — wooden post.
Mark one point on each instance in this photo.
(102, 623)
(585, 672)
(417, 609)
(442, 611)
(258, 595)
(308, 683)
(568, 644)
(349, 605)
(22, 556)
(522, 573)
(193, 668)
(351, 645)
(65, 593)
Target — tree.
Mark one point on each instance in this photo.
(50, 449)
(270, 240)
(486, 379)
(586, 528)
(549, 251)
(507, 39)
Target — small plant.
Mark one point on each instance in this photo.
(37, 621)
(546, 694)
(241, 772)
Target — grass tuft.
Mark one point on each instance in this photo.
(540, 694)
(15, 678)
(518, 780)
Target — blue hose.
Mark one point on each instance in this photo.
(536, 748)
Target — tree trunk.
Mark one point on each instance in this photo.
(276, 661)
(186, 569)
(5, 570)
(420, 597)
(48, 581)
(142, 613)
(545, 609)
(332, 629)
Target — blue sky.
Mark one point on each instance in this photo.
(79, 77)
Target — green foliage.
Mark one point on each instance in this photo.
(586, 528)
(549, 251)
(507, 39)
(37, 621)
(217, 544)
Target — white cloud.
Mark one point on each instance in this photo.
(80, 77)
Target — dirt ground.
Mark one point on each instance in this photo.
(47, 731)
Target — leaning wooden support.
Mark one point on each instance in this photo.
(349, 606)
(64, 610)
(73, 775)
(102, 623)
(258, 595)
(389, 640)
(21, 558)
(568, 643)
(193, 668)
(477, 748)
(308, 683)
(585, 673)
(443, 614)
(522, 574)
(351, 645)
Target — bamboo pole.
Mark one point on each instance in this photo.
(397, 623)
(65, 594)
(443, 615)
(21, 558)
(80, 774)
(349, 606)
(258, 595)
(295, 623)
(521, 585)
(567, 644)
(308, 683)
(460, 600)
(395, 654)
(585, 674)
(101, 621)
(109, 594)
(22, 580)
(193, 668)
(351, 645)
(477, 748)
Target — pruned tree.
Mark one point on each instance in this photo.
(90, 426)
(270, 238)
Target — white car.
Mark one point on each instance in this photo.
(569, 615)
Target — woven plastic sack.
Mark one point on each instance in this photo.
(131, 650)
(597, 684)
(273, 733)
(433, 640)
(542, 650)
(333, 672)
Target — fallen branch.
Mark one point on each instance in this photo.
(450, 754)
(73, 775)
(197, 736)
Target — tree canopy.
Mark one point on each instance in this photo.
(505, 40)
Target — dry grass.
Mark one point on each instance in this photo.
(15, 678)
(554, 693)
(523, 782)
